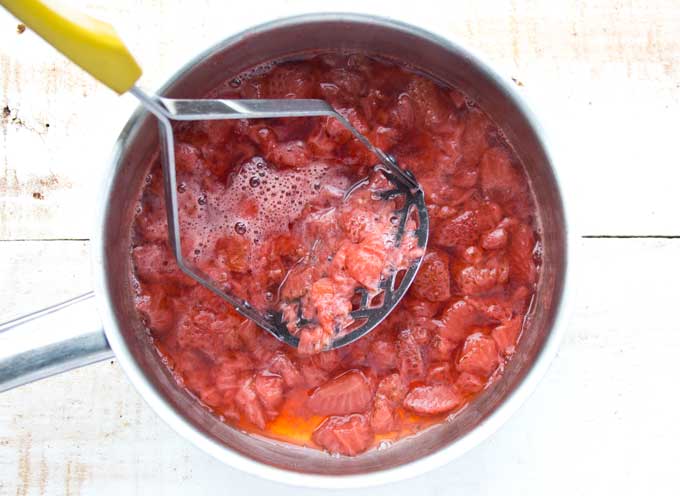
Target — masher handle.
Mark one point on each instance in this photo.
(89, 42)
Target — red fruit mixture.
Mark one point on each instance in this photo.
(255, 195)
(348, 243)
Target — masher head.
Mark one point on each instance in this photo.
(411, 213)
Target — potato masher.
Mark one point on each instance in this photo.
(96, 48)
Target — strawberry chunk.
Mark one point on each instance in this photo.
(439, 373)
(474, 142)
(473, 280)
(421, 308)
(158, 309)
(232, 253)
(287, 246)
(495, 308)
(421, 327)
(382, 415)
(385, 137)
(473, 255)
(411, 364)
(441, 348)
(266, 348)
(294, 80)
(357, 223)
(459, 231)
(211, 396)
(155, 264)
(217, 131)
(349, 392)
(349, 81)
(338, 133)
(320, 143)
(430, 101)
(231, 372)
(506, 334)
(521, 299)
(355, 354)
(327, 305)
(347, 435)
(312, 374)
(313, 339)
(498, 177)
(298, 283)
(521, 249)
(495, 240)
(365, 264)
(469, 383)
(194, 369)
(404, 112)
(229, 410)
(269, 389)
(280, 364)
(187, 157)
(433, 280)
(230, 339)
(289, 154)
(391, 387)
(212, 332)
(479, 355)
(151, 224)
(383, 355)
(431, 400)
(457, 319)
(327, 360)
(465, 172)
(248, 403)
(457, 98)
(463, 230)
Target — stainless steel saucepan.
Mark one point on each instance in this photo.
(104, 323)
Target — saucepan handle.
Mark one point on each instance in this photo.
(52, 340)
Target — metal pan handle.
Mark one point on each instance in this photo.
(50, 341)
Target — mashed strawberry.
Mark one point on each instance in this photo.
(262, 211)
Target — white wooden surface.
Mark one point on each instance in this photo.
(605, 77)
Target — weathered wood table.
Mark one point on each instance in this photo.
(605, 78)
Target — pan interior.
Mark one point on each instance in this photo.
(285, 40)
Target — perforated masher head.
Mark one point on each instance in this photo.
(391, 288)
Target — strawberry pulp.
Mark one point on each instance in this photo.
(261, 211)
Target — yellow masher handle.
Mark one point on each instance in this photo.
(90, 43)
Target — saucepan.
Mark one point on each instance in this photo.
(104, 323)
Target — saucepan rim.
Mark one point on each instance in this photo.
(222, 452)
